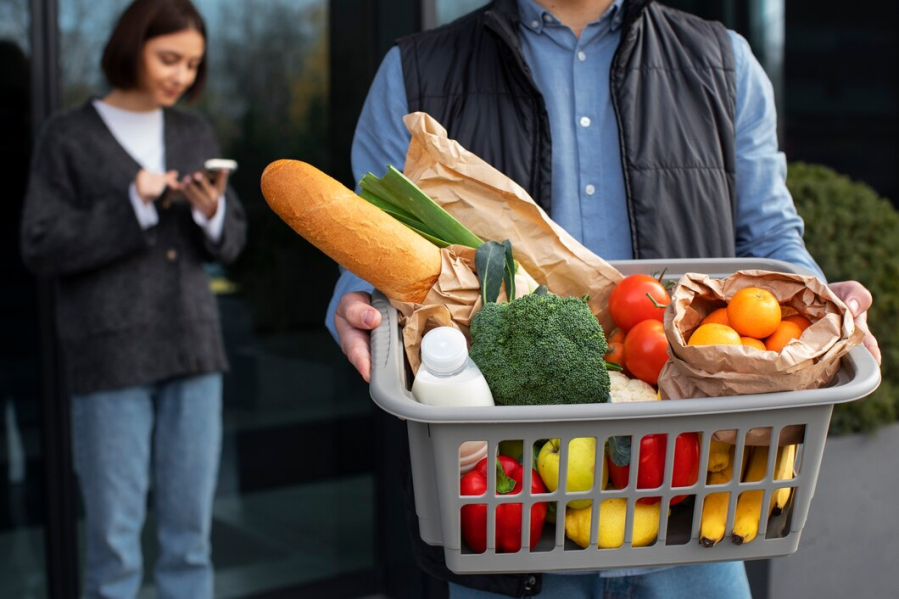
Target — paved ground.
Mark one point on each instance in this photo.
(849, 548)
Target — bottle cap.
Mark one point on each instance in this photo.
(444, 350)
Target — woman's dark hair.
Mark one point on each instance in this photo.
(141, 21)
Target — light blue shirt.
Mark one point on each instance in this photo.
(589, 202)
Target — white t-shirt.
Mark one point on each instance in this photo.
(142, 135)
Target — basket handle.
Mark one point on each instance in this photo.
(388, 368)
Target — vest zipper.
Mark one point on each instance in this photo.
(613, 92)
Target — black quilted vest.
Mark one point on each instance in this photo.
(673, 91)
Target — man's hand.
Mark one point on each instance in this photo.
(354, 319)
(858, 299)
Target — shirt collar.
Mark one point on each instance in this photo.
(534, 17)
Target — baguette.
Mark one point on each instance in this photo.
(360, 237)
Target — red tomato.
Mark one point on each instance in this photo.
(615, 352)
(628, 303)
(646, 348)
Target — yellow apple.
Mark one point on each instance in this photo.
(581, 463)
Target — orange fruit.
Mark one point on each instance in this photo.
(754, 312)
(718, 316)
(799, 319)
(753, 342)
(785, 331)
(714, 334)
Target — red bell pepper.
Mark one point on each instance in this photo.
(651, 472)
(509, 475)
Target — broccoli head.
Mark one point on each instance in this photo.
(541, 350)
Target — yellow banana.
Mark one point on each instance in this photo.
(783, 470)
(749, 504)
(720, 455)
(714, 508)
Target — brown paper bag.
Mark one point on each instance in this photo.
(723, 370)
(494, 208)
(452, 301)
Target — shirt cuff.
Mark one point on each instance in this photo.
(214, 226)
(146, 213)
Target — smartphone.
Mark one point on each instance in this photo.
(213, 166)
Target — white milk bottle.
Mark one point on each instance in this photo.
(447, 376)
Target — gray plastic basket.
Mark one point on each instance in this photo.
(435, 435)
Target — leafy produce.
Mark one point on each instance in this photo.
(401, 198)
(509, 474)
(539, 349)
(629, 303)
(581, 466)
(612, 516)
(651, 472)
(646, 348)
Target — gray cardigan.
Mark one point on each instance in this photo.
(133, 306)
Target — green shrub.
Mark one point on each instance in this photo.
(854, 235)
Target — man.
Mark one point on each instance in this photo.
(645, 132)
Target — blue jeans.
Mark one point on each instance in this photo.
(115, 433)
(700, 581)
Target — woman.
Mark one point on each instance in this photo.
(120, 213)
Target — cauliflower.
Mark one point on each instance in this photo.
(625, 390)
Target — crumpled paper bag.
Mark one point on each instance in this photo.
(452, 301)
(722, 370)
(493, 207)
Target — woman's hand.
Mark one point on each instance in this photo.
(150, 186)
(858, 299)
(204, 194)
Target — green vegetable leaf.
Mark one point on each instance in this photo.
(404, 193)
(490, 264)
(620, 450)
(509, 274)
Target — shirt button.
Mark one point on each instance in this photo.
(548, 18)
(590, 190)
(535, 24)
(581, 56)
(171, 254)
(585, 121)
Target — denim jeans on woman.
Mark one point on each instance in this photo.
(168, 436)
(701, 581)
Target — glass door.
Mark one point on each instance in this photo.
(294, 510)
(22, 523)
